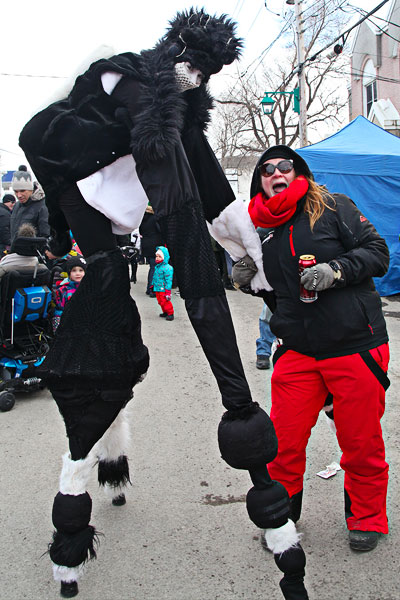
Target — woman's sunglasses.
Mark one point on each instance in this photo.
(268, 169)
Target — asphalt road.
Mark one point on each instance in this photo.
(184, 533)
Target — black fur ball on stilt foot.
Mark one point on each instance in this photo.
(119, 500)
(69, 589)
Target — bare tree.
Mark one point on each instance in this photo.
(240, 127)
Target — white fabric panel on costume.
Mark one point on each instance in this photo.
(116, 190)
(109, 80)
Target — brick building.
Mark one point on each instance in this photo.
(375, 69)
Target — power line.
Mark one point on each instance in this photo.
(342, 35)
(262, 55)
(377, 77)
(32, 76)
(363, 12)
(240, 8)
(271, 11)
(255, 19)
(383, 31)
(10, 152)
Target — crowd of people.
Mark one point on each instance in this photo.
(333, 344)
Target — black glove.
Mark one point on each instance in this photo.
(243, 271)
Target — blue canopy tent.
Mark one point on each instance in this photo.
(362, 161)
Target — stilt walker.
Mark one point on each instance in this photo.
(131, 132)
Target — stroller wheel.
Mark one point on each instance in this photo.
(7, 401)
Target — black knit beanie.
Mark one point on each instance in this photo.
(9, 198)
(75, 261)
(280, 151)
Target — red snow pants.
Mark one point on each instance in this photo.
(299, 386)
(166, 305)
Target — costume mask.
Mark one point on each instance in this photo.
(187, 77)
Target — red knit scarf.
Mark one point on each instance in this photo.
(271, 212)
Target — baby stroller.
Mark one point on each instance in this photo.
(25, 329)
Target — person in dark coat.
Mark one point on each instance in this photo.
(151, 237)
(334, 343)
(31, 207)
(6, 208)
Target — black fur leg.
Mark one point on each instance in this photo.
(114, 472)
(74, 549)
(292, 563)
(74, 540)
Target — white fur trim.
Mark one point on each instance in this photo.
(281, 539)
(115, 441)
(75, 475)
(234, 230)
(112, 492)
(67, 574)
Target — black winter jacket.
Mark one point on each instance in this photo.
(343, 320)
(151, 235)
(5, 216)
(163, 129)
(32, 211)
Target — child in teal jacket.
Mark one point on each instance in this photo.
(162, 282)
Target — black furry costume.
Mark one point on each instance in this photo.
(147, 116)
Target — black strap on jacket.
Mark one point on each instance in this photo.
(376, 369)
(280, 351)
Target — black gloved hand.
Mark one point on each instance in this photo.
(243, 271)
(318, 277)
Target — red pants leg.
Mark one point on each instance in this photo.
(359, 403)
(298, 393)
(166, 305)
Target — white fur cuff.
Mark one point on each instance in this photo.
(234, 230)
(75, 475)
(67, 574)
(281, 539)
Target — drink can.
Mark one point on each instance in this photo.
(305, 261)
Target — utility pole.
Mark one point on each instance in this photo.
(301, 74)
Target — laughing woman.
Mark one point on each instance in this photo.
(336, 344)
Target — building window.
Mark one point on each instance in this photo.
(369, 87)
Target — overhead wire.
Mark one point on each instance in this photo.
(361, 11)
(33, 76)
(262, 55)
(377, 77)
(241, 2)
(10, 152)
(255, 19)
(342, 35)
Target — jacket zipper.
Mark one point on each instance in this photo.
(291, 240)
